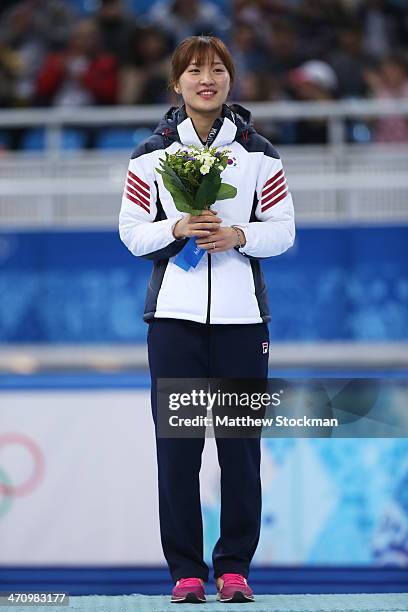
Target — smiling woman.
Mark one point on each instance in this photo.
(208, 321)
(203, 75)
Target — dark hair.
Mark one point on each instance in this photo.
(202, 49)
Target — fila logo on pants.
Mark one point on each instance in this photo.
(265, 347)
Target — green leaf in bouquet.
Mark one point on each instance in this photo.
(173, 176)
(166, 170)
(226, 192)
(182, 200)
(195, 211)
(208, 190)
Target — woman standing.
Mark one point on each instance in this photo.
(209, 321)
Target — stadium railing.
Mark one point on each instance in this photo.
(338, 182)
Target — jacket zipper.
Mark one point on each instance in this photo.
(210, 139)
(208, 288)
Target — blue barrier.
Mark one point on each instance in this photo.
(101, 580)
(35, 140)
(334, 284)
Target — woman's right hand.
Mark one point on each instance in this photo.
(197, 225)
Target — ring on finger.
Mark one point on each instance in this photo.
(213, 245)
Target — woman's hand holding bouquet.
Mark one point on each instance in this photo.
(193, 177)
(198, 226)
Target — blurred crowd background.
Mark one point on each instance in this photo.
(59, 53)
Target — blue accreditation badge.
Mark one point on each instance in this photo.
(189, 256)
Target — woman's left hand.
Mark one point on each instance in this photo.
(223, 239)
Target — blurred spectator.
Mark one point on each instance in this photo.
(143, 79)
(391, 83)
(246, 48)
(250, 11)
(8, 73)
(255, 13)
(315, 81)
(47, 21)
(317, 20)
(285, 51)
(31, 28)
(253, 86)
(182, 18)
(81, 74)
(350, 61)
(378, 26)
(116, 28)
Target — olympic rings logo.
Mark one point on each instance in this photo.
(8, 490)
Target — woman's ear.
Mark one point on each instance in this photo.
(177, 89)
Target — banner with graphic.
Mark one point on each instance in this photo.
(78, 485)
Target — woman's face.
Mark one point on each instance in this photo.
(204, 88)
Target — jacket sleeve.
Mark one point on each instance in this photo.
(273, 231)
(139, 226)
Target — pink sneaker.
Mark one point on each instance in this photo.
(188, 590)
(235, 589)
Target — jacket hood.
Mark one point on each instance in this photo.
(239, 115)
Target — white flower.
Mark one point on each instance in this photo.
(204, 169)
(220, 167)
(207, 159)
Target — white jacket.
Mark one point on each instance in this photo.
(226, 287)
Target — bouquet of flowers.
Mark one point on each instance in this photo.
(193, 177)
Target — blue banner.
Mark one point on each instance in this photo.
(333, 284)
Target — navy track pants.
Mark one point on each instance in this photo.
(185, 349)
